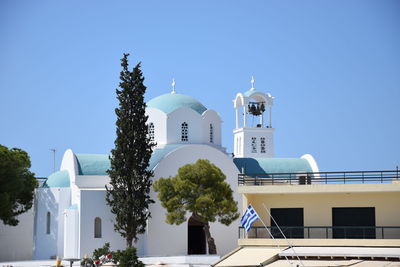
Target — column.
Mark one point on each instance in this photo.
(244, 116)
(237, 117)
(270, 116)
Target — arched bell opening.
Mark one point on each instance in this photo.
(196, 237)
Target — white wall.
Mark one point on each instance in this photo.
(16, 242)
(71, 233)
(92, 205)
(211, 117)
(165, 239)
(175, 120)
(55, 201)
(159, 119)
(245, 147)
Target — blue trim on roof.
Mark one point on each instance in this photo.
(98, 164)
(272, 165)
(170, 102)
(57, 179)
(159, 154)
(92, 164)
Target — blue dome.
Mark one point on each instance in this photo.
(57, 179)
(170, 102)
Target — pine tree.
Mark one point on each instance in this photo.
(130, 183)
(199, 189)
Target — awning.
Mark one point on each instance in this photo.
(250, 256)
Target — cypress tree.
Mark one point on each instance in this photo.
(130, 180)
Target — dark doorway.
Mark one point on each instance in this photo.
(196, 237)
(353, 223)
(291, 222)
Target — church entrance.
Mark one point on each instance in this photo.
(196, 237)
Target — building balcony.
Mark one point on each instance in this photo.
(323, 232)
(308, 178)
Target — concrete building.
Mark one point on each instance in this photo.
(328, 218)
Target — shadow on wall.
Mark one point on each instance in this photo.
(46, 224)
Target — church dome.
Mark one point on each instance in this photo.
(170, 102)
(57, 179)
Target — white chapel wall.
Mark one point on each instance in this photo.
(16, 242)
(160, 233)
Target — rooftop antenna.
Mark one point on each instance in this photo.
(54, 158)
(173, 86)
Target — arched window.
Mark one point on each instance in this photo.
(211, 133)
(97, 227)
(253, 145)
(262, 142)
(48, 217)
(184, 132)
(151, 131)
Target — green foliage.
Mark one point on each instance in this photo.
(130, 181)
(17, 184)
(97, 253)
(124, 258)
(87, 262)
(128, 258)
(201, 189)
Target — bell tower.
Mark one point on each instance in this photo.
(253, 134)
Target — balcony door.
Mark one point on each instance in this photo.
(353, 222)
(290, 220)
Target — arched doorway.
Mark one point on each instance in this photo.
(196, 237)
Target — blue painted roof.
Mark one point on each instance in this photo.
(98, 164)
(57, 179)
(170, 102)
(272, 165)
(92, 164)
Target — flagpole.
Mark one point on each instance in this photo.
(280, 230)
(277, 243)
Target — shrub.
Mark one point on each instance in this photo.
(128, 258)
(124, 258)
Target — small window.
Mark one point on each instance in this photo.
(97, 227)
(262, 141)
(184, 132)
(211, 133)
(253, 145)
(48, 218)
(151, 131)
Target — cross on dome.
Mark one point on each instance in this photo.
(252, 83)
(173, 86)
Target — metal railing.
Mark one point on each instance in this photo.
(346, 177)
(324, 232)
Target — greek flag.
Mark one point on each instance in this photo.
(248, 218)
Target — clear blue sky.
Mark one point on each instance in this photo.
(333, 67)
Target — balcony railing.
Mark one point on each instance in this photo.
(324, 232)
(348, 177)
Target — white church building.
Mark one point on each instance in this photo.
(71, 217)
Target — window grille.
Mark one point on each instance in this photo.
(253, 145)
(262, 141)
(151, 131)
(184, 132)
(211, 133)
